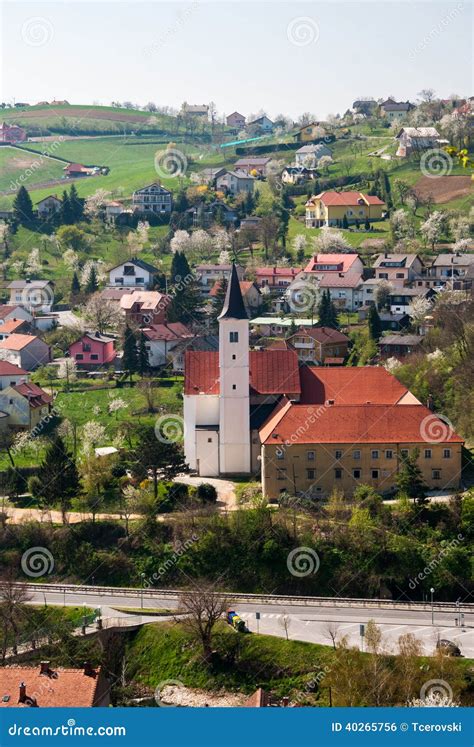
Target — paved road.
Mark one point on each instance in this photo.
(305, 623)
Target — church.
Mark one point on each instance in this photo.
(305, 429)
(229, 394)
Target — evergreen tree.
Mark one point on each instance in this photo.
(75, 285)
(186, 299)
(345, 222)
(179, 267)
(218, 301)
(327, 312)
(92, 284)
(410, 480)
(66, 212)
(58, 476)
(130, 353)
(180, 201)
(76, 204)
(156, 454)
(375, 325)
(142, 355)
(23, 207)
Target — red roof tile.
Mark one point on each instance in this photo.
(64, 688)
(8, 369)
(352, 385)
(278, 271)
(11, 325)
(351, 424)
(271, 372)
(36, 396)
(341, 262)
(348, 198)
(6, 309)
(170, 331)
(322, 334)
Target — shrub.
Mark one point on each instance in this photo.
(207, 493)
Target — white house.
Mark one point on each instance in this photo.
(309, 155)
(25, 351)
(48, 206)
(152, 199)
(235, 182)
(417, 139)
(11, 375)
(34, 295)
(161, 339)
(134, 273)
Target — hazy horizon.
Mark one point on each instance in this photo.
(277, 56)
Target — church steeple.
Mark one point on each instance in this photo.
(234, 303)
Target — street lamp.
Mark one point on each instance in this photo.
(432, 606)
(143, 575)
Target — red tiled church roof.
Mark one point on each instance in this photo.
(352, 385)
(271, 372)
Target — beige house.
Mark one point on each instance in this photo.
(398, 269)
(25, 351)
(319, 344)
(33, 295)
(48, 206)
(26, 405)
(235, 182)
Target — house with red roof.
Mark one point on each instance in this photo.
(331, 208)
(10, 375)
(24, 405)
(162, 339)
(319, 345)
(93, 350)
(43, 687)
(275, 278)
(25, 351)
(250, 293)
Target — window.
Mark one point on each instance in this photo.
(375, 454)
(129, 270)
(338, 454)
(280, 454)
(356, 454)
(388, 454)
(234, 357)
(403, 453)
(310, 455)
(375, 474)
(86, 347)
(446, 453)
(281, 474)
(428, 453)
(399, 275)
(310, 474)
(233, 336)
(94, 357)
(436, 474)
(79, 357)
(383, 275)
(338, 474)
(209, 440)
(356, 474)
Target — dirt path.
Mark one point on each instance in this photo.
(21, 515)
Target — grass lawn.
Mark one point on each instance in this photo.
(18, 167)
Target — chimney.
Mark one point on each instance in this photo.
(22, 694)
(44, 667)
(89, 670)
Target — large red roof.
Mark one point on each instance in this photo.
(271, 372)
(349, 198)
(36, 396)
(352, 385)
(338, 262)
(351, 424)
(8, 369)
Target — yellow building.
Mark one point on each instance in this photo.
(329, 209)
(313, 449)
(310, 132)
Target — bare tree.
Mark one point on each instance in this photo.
(331, 630)
(285, 622)
(202, 608)
(13, 599)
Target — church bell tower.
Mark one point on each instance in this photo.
(234, 399)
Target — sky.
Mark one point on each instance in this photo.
(288, 57)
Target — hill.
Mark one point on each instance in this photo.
(90, 120)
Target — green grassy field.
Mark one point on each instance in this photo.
(19, 167)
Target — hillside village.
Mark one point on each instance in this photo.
(248, 330)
